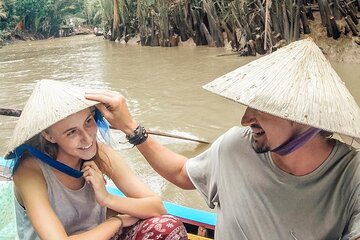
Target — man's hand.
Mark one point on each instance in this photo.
(114, 108)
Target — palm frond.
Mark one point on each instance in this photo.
(3, 13)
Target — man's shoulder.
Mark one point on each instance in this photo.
(348, 158)
(238, 133)
(235, 137)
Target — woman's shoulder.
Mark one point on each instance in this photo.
(28, 168)
(27, 178)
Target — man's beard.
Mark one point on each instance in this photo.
(259, 148)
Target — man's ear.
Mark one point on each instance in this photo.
(48, 137)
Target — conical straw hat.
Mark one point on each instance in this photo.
(50, 102)
(296, 83)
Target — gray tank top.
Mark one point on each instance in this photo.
(77, 210)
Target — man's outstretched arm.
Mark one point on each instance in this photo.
(167, 163)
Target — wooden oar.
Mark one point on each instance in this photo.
(175, 136)
(10, 112)
(17, 113)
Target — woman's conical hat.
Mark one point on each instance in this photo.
(50, 102)
(296, 83)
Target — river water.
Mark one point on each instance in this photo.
(162, 87)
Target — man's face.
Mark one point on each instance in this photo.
(268, 131)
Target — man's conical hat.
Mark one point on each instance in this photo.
(50, 102)
(296, 83)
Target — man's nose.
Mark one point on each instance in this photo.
(248, 117)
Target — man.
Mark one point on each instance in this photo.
(280, 176)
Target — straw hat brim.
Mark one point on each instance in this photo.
(50, 102)
(296, 83)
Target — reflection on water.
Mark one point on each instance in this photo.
(162, 85)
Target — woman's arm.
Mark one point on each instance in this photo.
(141, 208)
(105, 230)
(31, 191)
(141, 202)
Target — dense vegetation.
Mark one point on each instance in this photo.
(40, 17)
(250, 25)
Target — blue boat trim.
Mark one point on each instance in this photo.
(192, 214)
(3, 161)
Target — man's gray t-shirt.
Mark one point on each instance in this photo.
(257, 200)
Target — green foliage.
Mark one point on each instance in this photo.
(107, 9)
(7, 17)
(57, 12)
(127, 11)
(39, 16)
(92, 12)
(3, 13)
(30, 12)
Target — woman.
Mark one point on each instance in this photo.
(58, 171)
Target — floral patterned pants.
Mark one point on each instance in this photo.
(165, 227)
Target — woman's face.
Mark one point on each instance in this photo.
(75, 136)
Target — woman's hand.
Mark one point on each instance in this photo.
(127, 220)
(94, 176)
(114, 108)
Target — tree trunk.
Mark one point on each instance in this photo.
(352, 14)
(214, 23)
(335, 30)
(198, 36)
(286, 23)
(259, 45)
(116, 21)
(187, 21)
(340, 8)
(251, 48)
(323, 14)
(180, 25)
(304, 22)
(328, 16)
(352, 26)
(309, 13)
(231, 36)
(274, 17)
(334, 10)
(207, 35)
(296, 23)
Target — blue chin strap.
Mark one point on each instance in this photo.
(16, 155)
(296, 142)
(18, 152)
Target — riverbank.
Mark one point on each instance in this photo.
(345, 49)
(20, 36)
(12, 37)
